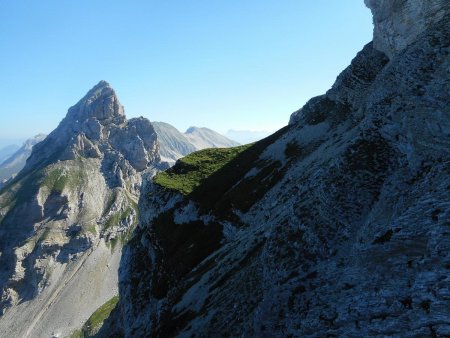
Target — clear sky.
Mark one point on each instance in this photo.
(223, 64)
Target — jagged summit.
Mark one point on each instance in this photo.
(101, 103)
(96, 127)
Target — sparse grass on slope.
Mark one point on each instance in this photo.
(215, 178)
(190, 171)
(57, 178)
(95, 321)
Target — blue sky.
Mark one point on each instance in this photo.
(223, 64)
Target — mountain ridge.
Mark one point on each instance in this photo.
(336, 225)
(174, 144)
(16, 161)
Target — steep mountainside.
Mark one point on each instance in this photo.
(64, 217)
(336, 225)
(174, 145)
(14, 163)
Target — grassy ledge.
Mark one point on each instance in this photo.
(189, 172)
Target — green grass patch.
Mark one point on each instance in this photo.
(91, 229)
(77, 334)
(95, 321)
(227, 189)
(59, 178)
(215, 178)
(189, 172)
(55, 180)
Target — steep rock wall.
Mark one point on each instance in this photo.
(398, 23)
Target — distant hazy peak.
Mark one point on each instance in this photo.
(247, 136)
(10, 166)
(194, 129)
(174, 144)
(29, 143)
(206, 138)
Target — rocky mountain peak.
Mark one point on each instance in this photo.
(398, 23)
(96, 127)
(101, 103)
(66, 215)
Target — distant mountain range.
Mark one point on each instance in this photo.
(16, 161)
(174, 144)
(7, 151)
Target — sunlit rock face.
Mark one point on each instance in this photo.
(397, 23)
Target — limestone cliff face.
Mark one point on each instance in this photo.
(398, 23)
(337, 225)
(65, 217)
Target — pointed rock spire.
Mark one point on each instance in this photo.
(96, 127)
(101, 103)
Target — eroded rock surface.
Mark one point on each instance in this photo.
(398, 23)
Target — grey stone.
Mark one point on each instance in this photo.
(398, 23)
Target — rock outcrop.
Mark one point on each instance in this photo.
(66, 215)
(335, 226)
(96, 128)
(398, 23)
